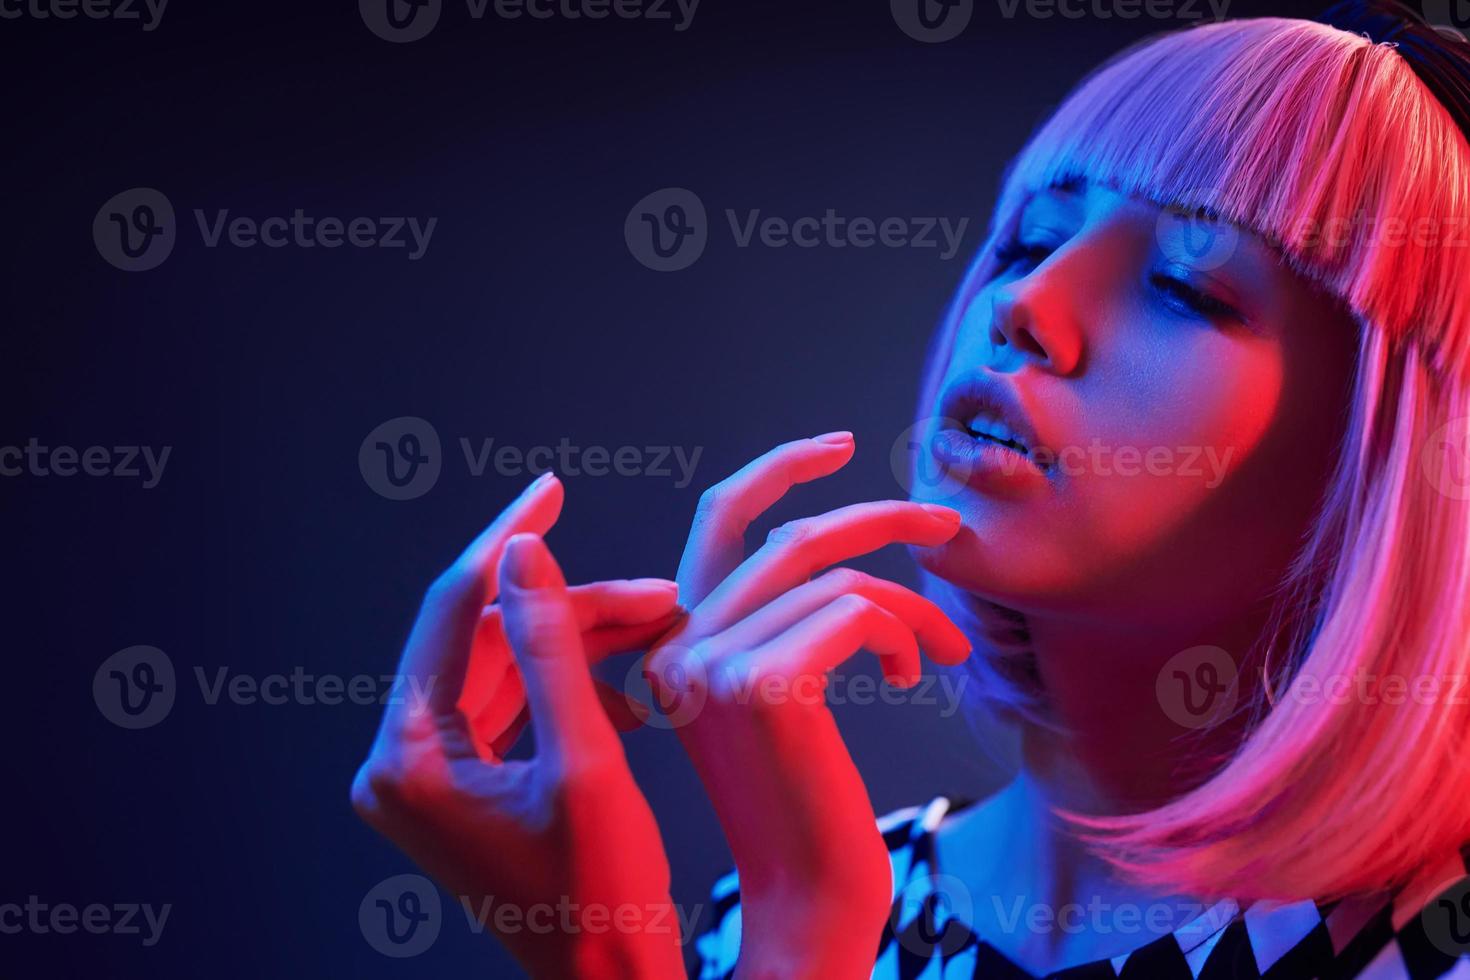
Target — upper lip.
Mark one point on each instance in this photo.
(974, 394)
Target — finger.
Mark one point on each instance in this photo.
(622, 602)
(612, 640)
(566, 715)
(534, 512)
(436, 657)
(826, 638)
(493, 707)
(935, 632)
(636, 603)
(716, 543)
(794, 552)
(625, 713)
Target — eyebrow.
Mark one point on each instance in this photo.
(1077, 185)
(1071, 185)
(1064, 187)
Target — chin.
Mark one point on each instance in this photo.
(967, 567)
(990, 573)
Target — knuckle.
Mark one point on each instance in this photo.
(712, 502)
(364, 799)
(724, 680)
(678, 669)
(790, 533)
(845, 580)
(387, 789)
(697, 668)
(595, 770)
(376, 789)
(856, 606)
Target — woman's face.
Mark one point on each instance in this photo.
(1179, 396)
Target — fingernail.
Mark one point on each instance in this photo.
(943, 513)
(655, 583)
(835, 438)
(541, 480)
(526, 563)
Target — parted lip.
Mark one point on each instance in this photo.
(976, 393)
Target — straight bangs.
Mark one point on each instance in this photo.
(1330, 148)
(1318, 140)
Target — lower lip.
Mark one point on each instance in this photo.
(982, 463)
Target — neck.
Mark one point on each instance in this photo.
(1143, 709)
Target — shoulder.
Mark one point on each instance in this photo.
(908, 832)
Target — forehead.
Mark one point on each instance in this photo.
(1080, 201)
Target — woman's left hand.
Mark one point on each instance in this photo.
(743, 680)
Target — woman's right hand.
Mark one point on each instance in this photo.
(743, 678)
(565, 839)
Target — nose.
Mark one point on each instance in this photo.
(1033, 320)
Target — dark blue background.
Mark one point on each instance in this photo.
(264, 550)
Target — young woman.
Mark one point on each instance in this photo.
(1192, 505)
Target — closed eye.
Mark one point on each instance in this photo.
(1186, 299)
(1013, 253)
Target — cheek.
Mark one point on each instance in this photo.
(1163, 468)
(1170, 452)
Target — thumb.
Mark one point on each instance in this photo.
(545, 640)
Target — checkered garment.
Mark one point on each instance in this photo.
(1418, 932)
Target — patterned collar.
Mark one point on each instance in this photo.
(1420, 931)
